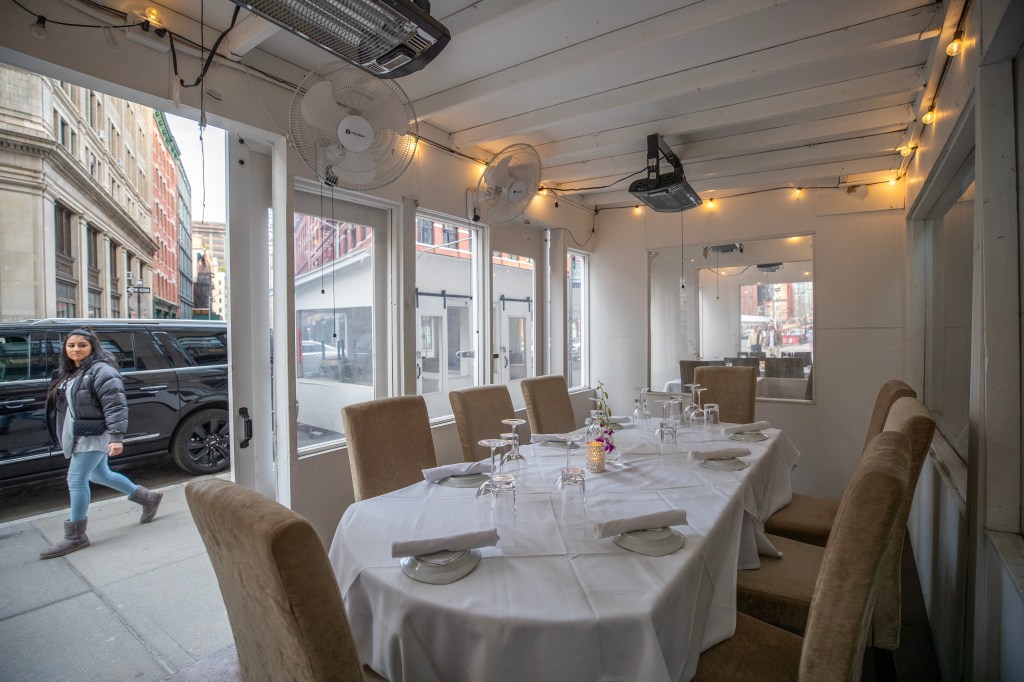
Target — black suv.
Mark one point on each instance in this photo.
(175, 377)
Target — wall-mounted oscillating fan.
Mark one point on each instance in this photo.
(353, 129)
(507, 185)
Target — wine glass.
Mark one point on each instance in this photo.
(594, 425)
(493, 444)
(515, 424)
(689, 409)
(698, 417)
(569, 472)
(510, 461)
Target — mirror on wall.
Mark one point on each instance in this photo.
(745, 302)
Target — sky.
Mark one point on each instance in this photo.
(186, 132)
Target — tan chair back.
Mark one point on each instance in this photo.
(548, 408)
(840, 615)
(389, 444)
(282, 598)
(733, 388)
(891, 391)
(911, 418)
(478, 413)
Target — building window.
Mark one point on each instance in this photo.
(66, 293)
(424, 231)
(95, 303)
(62, 227)
(577, 322)
(92, 248)
(450, 235)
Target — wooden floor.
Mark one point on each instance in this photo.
(915, 659)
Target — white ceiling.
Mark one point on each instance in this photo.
(751, 94)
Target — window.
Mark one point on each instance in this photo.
(424, 231)
(203, 347)
(25, 357)
(62, 227)
(749, 304)
(92, 247)
(447, 314)
(66, 295)
(577, 322)
(514, 305)
(95, 303)
(948, 312)
(339, 277)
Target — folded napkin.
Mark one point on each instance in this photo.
(620, 419)
(724, 453)
(744, 428)
(548, 438)
(457, 469)
(451, 543)
(606, 529)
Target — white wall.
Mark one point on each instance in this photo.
(859, 258)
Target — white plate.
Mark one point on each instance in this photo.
(748, 437)
(731, 464)
(652, 542)
(464, 481)
(423, 570)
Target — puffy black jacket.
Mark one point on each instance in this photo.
(97, 394)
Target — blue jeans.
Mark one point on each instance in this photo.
(92, 466)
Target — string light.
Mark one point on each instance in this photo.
(907, 151)
(892, 183)
(929, 116)
(38, 28)
(797, 191)
(956, 45)
(711, 202)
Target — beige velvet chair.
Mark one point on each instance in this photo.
(780, 592)
(733, 388)
(282, 598)
(478, 413)
(809, 519)
(548, 408)
(846, 588)
(389, 444)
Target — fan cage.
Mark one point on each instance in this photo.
(492, 203)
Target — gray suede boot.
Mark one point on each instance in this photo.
(74, 540)
(149, 500)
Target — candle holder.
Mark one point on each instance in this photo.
(595, 456)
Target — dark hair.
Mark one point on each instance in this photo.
(67, 368)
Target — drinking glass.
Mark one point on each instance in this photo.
(493, 444)
(697, 416)
(594, 429)
(515, 424)
(572, 501)
(568, 439)
(510, 461)
(666, 432)
(503, 508)
(713, 419)
(689, 409)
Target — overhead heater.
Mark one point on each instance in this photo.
(388, 38)
(668, 193)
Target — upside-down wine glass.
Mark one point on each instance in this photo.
(569, 472)
(515, 424)
(492, 443)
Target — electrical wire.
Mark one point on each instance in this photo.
(580, 189)
(144, 23)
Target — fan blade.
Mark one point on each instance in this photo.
(497, 174)
(356, 168)
(321, 110)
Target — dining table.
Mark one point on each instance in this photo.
(560, 604)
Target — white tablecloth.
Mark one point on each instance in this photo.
(563, 608)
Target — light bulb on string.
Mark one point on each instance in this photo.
(956, 45)
(929, 116)
(38, 29)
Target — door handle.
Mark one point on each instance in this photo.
(419, 370)
(506, 362)
(246, 427)
(153, 389)
(16, 403)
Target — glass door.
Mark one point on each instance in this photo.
(514, 303)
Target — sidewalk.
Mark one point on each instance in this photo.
(139, 604)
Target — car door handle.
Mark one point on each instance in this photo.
(16, 403)
(153, 389)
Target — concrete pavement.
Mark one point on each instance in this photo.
(139, 604)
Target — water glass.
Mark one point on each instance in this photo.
(573, 501)
(503, 508)
(511, 461)
(666, 432)
(713, 418)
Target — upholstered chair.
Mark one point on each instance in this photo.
(478, 413)
(780, 592)
(832, 647)
(733, 388)
(282, 598)
(389, 444)
(809, 519)
(686, 367)
(548, 408)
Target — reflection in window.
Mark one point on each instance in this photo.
(447, 343)
(514, 303)
(576, 322)
(749, 304)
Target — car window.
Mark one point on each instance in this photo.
(25, 356)
(204, 347)
(119, 344)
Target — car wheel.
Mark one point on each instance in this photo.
(202, 443)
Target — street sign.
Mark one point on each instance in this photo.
(139, 290)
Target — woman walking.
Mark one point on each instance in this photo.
(88, 397)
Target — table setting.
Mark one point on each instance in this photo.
(631, 568)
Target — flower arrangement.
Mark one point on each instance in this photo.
(605, 418)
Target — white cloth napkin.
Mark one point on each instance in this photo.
(724, 453)
(457, 469)
(606, 529)
(620, 419)
(548, 438)
(451, 543)
(744, 428)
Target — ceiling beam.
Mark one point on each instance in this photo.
(858, 89)
(852, 41)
